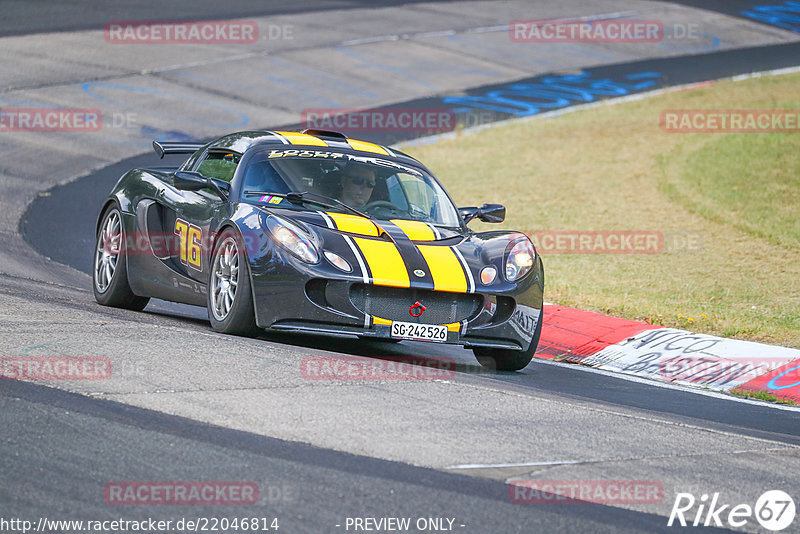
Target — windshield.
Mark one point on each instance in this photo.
(380, 188)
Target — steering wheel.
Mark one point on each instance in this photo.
(380, 204)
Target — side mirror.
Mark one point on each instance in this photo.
(468, 213)
(221, 186)
(190, 181)
(492, 213)
(194, 181)
(489, 213)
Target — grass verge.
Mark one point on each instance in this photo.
(761, 395)
(727, 206)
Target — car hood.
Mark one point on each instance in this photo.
(358, 225)
(404, 253)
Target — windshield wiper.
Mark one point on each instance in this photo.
(299, 198)
(322, 200)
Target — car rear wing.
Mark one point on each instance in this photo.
(175, 147)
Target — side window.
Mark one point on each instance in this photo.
(419, 194)
(219, 165)
(396, 194)
(260, 176)
(191, 160)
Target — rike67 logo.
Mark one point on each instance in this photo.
(774, 510)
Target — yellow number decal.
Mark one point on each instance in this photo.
(182, 229)
(191, 239)
(193, 250)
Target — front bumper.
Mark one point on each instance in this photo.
(290, 295)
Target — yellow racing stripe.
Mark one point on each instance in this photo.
(297, 138)
(445, 268)
(415, 230)
(385, 262)
(367, 147)
(354, 224)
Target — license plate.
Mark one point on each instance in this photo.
(424, 332)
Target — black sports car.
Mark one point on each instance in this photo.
(315, 232)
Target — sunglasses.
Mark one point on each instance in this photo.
(361, 181)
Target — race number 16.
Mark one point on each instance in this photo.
(190, 243)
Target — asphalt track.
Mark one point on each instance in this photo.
(191, 405)
(19, 18)
(297, 480)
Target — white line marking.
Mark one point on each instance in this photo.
(487, 29)
(478, 29)
(368, 40)
(666, 385)
(359, 259)
(328, 220)
(526, 464)
(202, 63)
(471, 280)
(439, 33)
(282, 138)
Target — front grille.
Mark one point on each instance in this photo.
(393, 303)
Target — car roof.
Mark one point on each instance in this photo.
(312, 139)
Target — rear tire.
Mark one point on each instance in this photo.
(230, 296)
(507, 359)
(110, 272)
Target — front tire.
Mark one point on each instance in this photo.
(507, 359)
(230, 297)
(110, 272)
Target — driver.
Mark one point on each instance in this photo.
(357, 183)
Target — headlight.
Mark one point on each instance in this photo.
(293, 238)
(338, 261)
(520, 260)
(488, 274)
